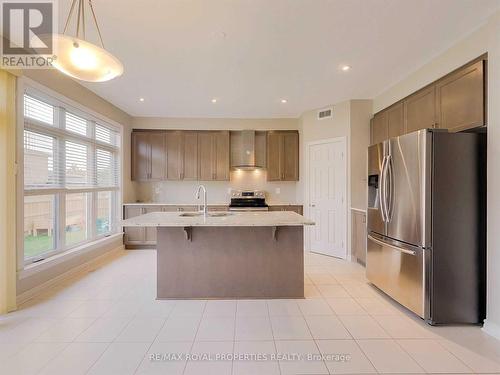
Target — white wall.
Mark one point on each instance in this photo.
(484, 39)
(182, 192)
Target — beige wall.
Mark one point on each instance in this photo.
(183, 191)
(351, 119)
(485, 39)
(361, 113)
(214, 123)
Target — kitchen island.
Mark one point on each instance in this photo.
(228, 255)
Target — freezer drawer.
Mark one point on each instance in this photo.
(399, 271)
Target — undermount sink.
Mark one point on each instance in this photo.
(212, 214)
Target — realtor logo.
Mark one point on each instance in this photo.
(27, 29)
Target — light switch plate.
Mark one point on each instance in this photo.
(277, 191)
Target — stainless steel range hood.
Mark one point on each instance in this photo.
(248, 149)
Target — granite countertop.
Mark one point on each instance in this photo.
(196, 204)
(239, 219)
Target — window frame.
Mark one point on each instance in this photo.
(61, 105)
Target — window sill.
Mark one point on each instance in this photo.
(34, 268)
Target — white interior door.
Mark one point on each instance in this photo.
(327, 197)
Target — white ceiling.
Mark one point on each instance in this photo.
(176, 56)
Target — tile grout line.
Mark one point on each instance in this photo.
(234, 336)
(152, 342)
(272, 334)
(196, 334)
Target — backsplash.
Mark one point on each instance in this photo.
(183, 192)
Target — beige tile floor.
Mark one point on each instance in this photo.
(108, 322)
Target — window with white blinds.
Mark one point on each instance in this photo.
(71, 177)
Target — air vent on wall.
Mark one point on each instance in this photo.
(325, 113)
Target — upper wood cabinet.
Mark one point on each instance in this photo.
(213, 154)
(460, 98)
(174, 155)
(455, 102)
(182, 155)
(190, 155)
(379, 130)
(148, 156)
(420, 110)
(282, 156)
(395, 120)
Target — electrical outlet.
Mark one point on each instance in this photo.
(277, 191)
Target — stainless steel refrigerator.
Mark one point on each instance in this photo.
(427, 224)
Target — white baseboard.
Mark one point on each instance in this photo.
(82, 268)
(492, 329)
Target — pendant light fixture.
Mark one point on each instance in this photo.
(79, 58)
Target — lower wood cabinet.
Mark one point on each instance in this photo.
(146, 237)
(358, 233)
(133, 235)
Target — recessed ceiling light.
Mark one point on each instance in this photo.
(284, 101)
(345, 68)
(214, 100)
(141, 99)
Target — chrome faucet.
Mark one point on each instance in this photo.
(205, 210)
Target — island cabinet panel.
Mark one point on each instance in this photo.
(420, 110)
(148, 156)
(395, 120)
(227, 262)
(282, 156)
(460, 98)
(174, 155)
(213, 151)
(379, 130)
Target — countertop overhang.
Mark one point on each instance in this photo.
(232, 219)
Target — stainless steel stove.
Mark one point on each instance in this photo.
(248, 201)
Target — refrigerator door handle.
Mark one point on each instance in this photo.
(382, 243)
(390, 198)
(383, 191)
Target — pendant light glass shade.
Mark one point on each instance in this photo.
(85, 61)
(79, 58)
